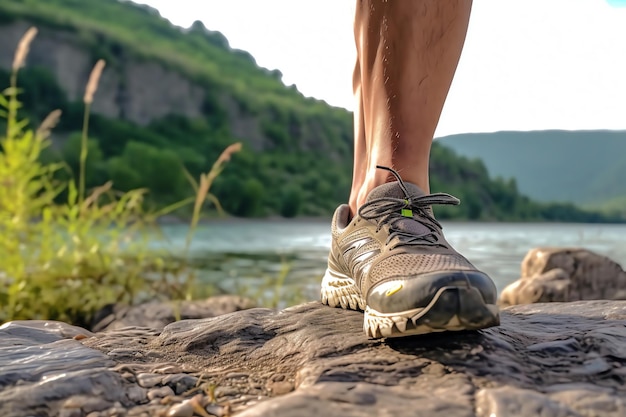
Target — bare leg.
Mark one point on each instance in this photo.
(408, 51)
(392, 260)
(361, 154)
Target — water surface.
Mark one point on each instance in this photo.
(244, 255)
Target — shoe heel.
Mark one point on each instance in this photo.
(339, 290)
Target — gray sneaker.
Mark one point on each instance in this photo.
(392, 261)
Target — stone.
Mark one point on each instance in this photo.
(180, 383)
(510, 401)
(216, 410)
(160, 393)
(551, 286)
(148, 380)
(565, 274)
(281, 387)
(549, 359)
(43, 367)
(136, 394)
(158, 314)
(183, 409)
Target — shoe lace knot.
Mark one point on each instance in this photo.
(395, 212)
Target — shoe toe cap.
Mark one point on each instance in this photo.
(401, 294)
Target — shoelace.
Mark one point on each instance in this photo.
(390, 210)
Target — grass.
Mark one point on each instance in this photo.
(65, 260)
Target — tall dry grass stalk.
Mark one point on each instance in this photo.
(22, 49)
(90, 90)
(94, 79)
(19, 59)
(227, 154)
(202, 190)
(49, 123)
(206, 180)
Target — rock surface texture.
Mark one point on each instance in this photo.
(557, 359)
(564, 274)
(158, 314)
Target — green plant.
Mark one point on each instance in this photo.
(66, 260)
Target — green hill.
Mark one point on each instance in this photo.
(171, 98)
(582, 167)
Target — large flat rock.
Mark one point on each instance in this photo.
(557, 359)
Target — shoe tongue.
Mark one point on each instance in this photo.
(393, 190)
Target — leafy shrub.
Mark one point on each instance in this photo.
(65, 260)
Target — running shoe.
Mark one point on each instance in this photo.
(392, 261)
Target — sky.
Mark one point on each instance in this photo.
(526, 64)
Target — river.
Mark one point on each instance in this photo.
(254, 257)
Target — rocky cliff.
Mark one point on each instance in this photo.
(134, 90)
(142, 88)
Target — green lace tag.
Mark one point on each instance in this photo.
(407, 212)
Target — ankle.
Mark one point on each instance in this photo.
(359, 192)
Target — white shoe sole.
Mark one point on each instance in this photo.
(338, 290)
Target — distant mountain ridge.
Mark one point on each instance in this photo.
(582, 167)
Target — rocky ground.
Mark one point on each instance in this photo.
(222, 356)
(557, 359)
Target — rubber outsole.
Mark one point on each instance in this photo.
(453, 308)
(338, 290)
